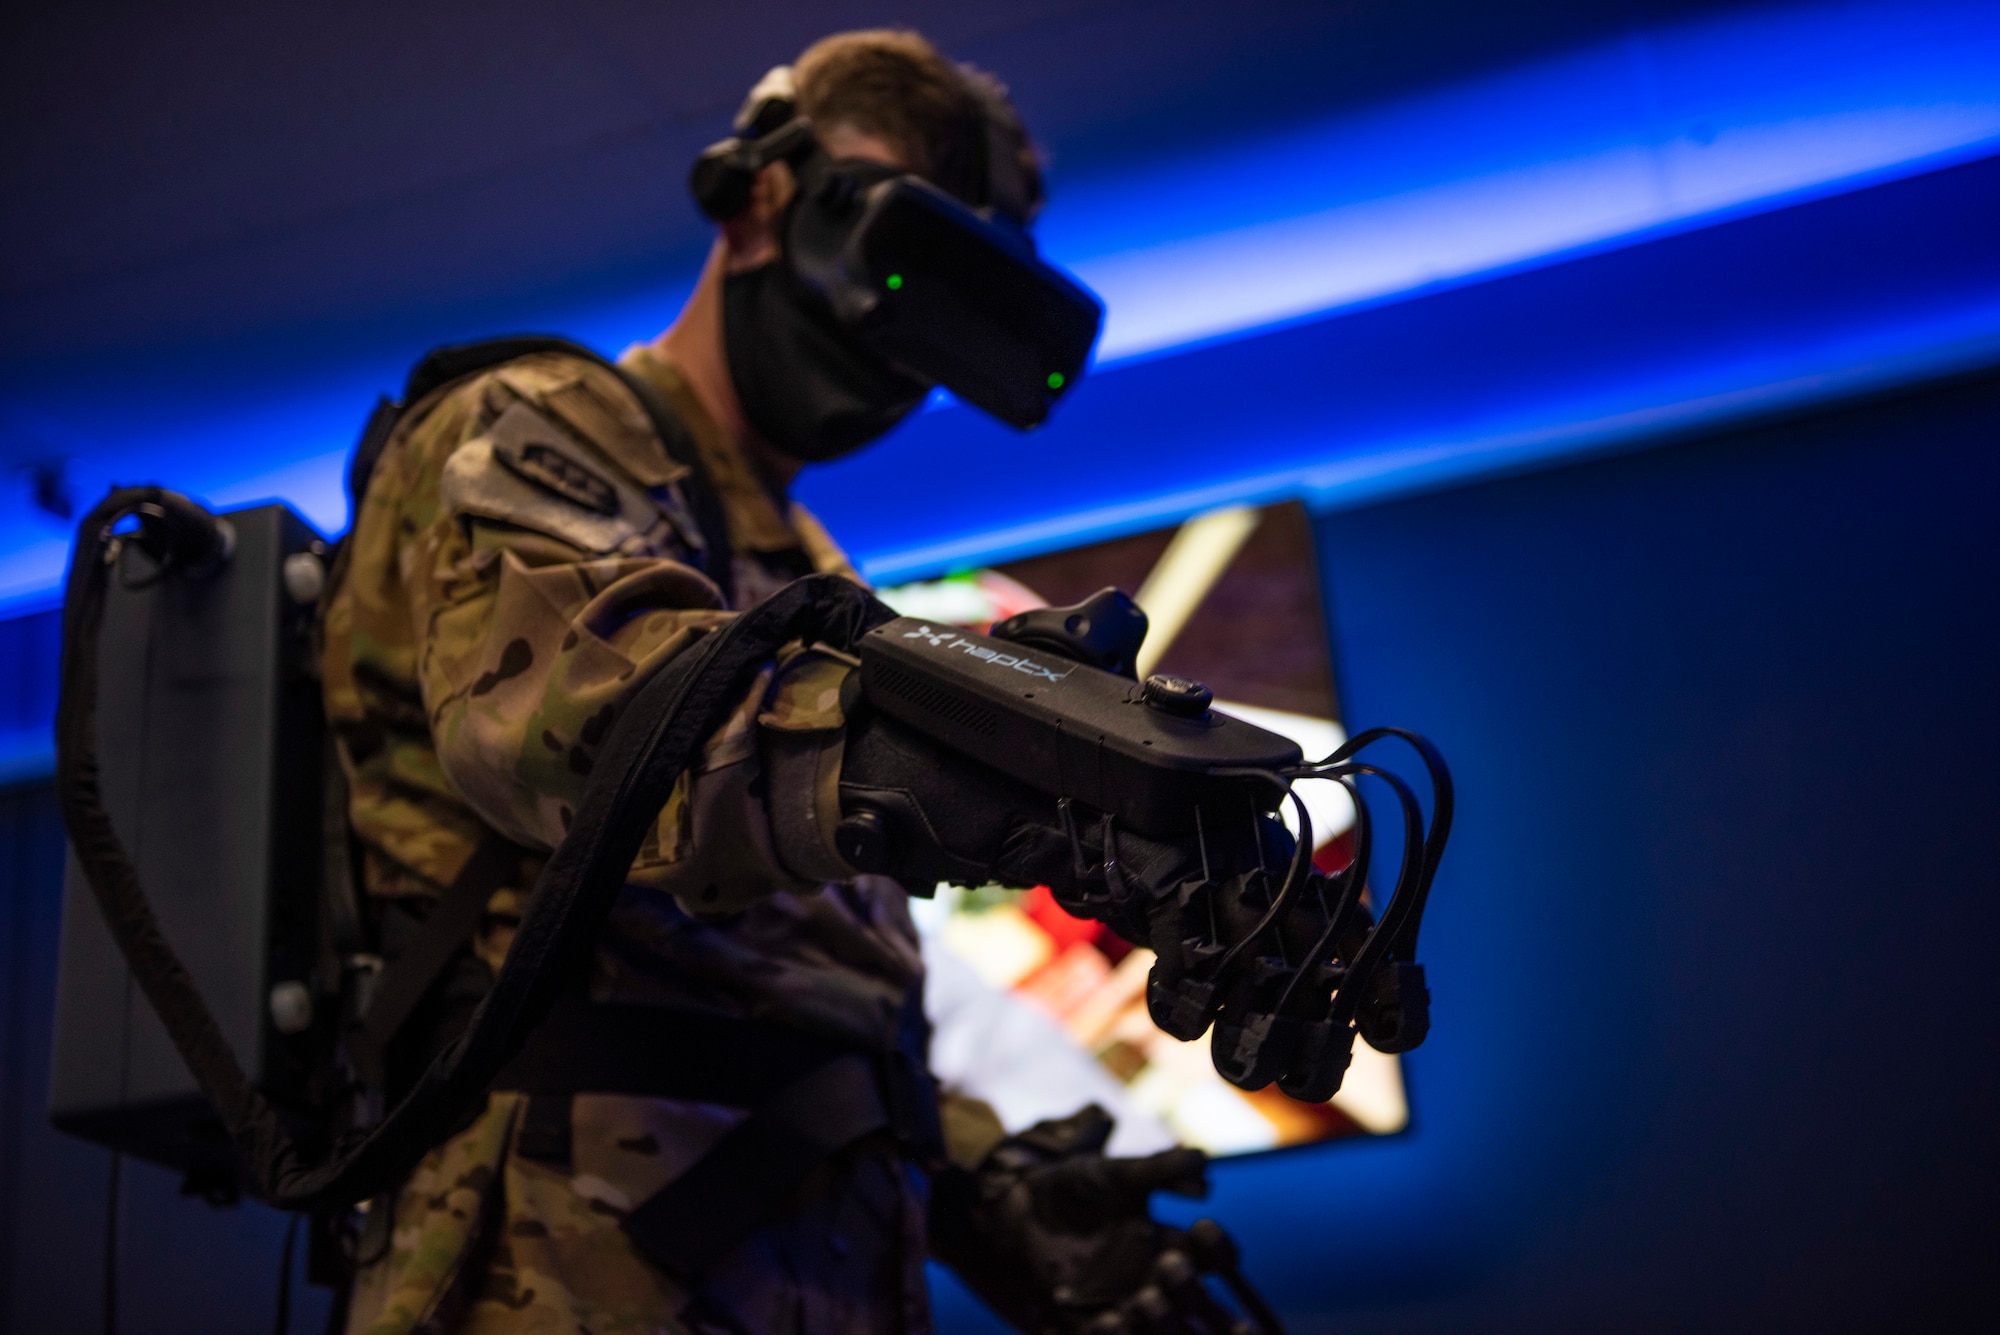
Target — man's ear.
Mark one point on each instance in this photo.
(751, 238)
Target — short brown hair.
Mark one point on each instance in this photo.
(894, 84)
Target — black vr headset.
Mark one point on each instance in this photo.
(950, 293)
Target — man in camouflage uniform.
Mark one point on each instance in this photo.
(520, 564)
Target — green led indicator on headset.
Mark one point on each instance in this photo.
(895, 282)
(1055, 380)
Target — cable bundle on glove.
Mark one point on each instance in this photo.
(1287, 968)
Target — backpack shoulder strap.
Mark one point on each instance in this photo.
(718, 558)
(439, 367)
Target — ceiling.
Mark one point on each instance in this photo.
(268, 184)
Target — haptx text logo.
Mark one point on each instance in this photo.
(951, 639)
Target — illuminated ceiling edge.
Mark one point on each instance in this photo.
(1398, 469)
(1392, 469)
(28, 755)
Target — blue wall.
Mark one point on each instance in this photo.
(1712, 947)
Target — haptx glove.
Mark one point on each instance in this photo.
(922, 813)
(1057, 1238)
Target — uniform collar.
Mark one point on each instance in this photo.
(755, 523)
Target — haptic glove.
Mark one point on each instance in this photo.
(1057, 1238)
(921, 812)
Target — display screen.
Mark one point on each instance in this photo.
(1038, 1012)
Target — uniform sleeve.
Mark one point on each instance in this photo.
(548, 580)
(971, 1129)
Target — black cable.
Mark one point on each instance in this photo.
(1353, 876)
(1294, 876)
(1411, 877)
(1404, 940)
(1393, 935)
(100, 852)
(111, 1197)
(282, 1324)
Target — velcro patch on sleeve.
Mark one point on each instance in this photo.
(526, 470)
(573, 481)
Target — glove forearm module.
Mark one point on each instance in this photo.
(961, 822)
(1058, 1238)
(953, 817)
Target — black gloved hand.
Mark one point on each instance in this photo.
(922, 813)
(1057, 1238)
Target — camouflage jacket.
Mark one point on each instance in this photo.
(518, 568)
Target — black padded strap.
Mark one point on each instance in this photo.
(382, 419)
(696, 1219)
(439, 367)
(659, 1052)
(719, 558)
(340, 901)
(455, 361)
(445, 932)
(810, 1098)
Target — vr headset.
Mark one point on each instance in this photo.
(950, 293)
